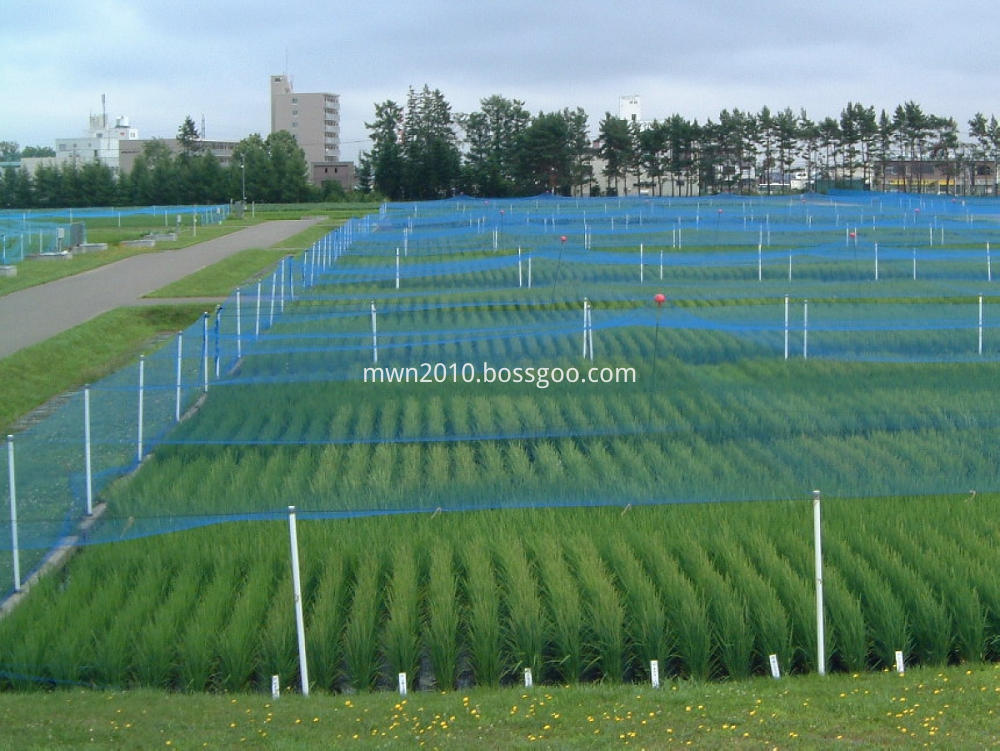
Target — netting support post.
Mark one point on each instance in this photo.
(876, 262)
(142, 394)
(641, 254)
(374, 334)
(89, 475)
(239, 326)
(397, 268)
(588, 334)
(14, 549)
(989, 264)
(786, 327)
(300, 627)
(980, 325)
(805, 329)
(820, 625)
(204, 351)
(256, 322)
(179, 376)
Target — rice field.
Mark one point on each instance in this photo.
(493, 476)
(473, 598)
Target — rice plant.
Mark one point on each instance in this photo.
(401, 634)
(442, 619)
(525, 622)
(361, 632)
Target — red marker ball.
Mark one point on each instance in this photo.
(660, 298)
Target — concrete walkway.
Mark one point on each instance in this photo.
(32, 315)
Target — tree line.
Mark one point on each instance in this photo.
(263, 170)
(423, 150)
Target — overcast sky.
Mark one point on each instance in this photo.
(157, 62)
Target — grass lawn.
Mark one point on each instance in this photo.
(950, 708)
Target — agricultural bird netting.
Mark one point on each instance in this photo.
(475, 354)
(40, 232)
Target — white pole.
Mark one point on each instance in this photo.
(585, 305)
(397, 268)
(239, 327)
(374, 335)
(980, 324)
(989, 265)
(789, 267)
(805, 329)
(820, 631)
(297, 592)
(661, 264)
(142, 384)
(529, 272)
(256, 324)
(13, 514)
(86, 450)
(281, 294)
(914, 264)
(274, 293)
(590, 333)
(641, 251)
(520, 275)
(204, 351)
(786, 327)
(760, 264)
(876, 262)
(177, 383)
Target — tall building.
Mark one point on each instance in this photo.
(314, 120)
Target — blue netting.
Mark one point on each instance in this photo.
(464, 354)
(25, 233)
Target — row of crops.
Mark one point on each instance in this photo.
(461, 524)
(709, 591)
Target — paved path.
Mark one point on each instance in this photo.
(34, 314)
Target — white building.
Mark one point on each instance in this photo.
(630, 108)
(102, 142)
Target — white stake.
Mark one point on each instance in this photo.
(142, 384)
(397, 268)
(980, 325)
(179, 375)
(775, 669)
(297, 593)
(820, 630)
(374, 335)
(528, 682)
(13, 514)
(805, 329)
(900, 667)
(786, 327)
(204, 351)
(239, 326)
(256, 323)
(86, 450)
(654, 673)
(402, 684)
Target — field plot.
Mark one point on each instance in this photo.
(509, 454)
